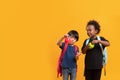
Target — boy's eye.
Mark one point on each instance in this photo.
(71, 36)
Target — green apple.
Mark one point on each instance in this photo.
(91, 46)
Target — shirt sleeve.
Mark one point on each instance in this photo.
(62, 46)
(103, 39)
(84, 44)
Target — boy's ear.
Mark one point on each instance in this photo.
(96, 31)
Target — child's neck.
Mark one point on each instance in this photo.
(71, 44)
(94, 37)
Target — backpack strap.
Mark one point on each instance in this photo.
(104, 56)
(64, 50)
(59, 70)
(104, 51)
(98, 37)
(76, 49)
(87, 41)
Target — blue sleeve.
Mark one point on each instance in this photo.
(62, 46)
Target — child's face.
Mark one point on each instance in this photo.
(72, 39)
(91, 32)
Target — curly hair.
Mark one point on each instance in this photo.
(95, 24)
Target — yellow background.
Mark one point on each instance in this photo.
(29, 30)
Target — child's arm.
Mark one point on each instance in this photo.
(85, 49)
(77, 56)
(105, 43)
(59, 42)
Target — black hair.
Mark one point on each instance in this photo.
(95, 24)
(74, 33)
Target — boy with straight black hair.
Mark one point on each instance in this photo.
(68, 61)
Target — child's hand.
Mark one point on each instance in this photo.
(87, 47)
(66, 35)
(59, 42)
(95, 41)
(77, 55)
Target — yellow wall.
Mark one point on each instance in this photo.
(29, 30)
